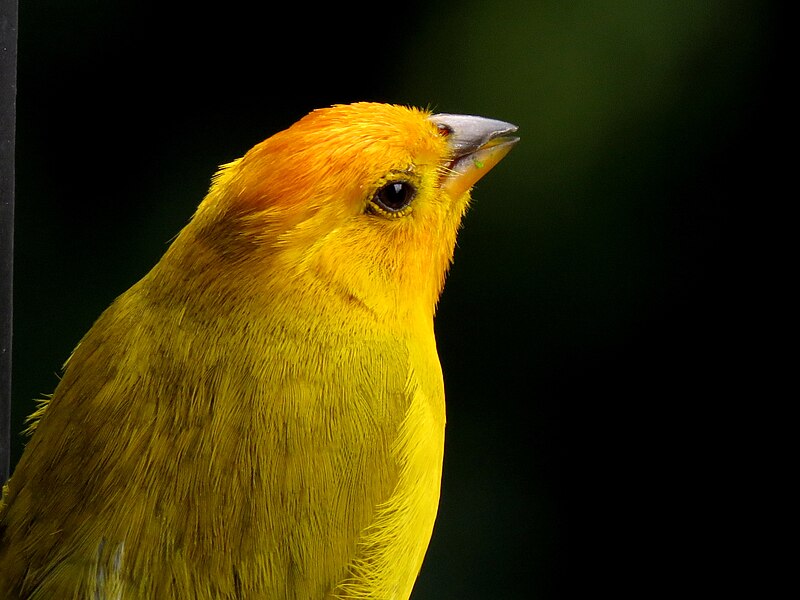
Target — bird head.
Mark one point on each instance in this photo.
(362, 201)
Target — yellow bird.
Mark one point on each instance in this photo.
(262, 415)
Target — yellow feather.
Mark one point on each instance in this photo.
(262, 415)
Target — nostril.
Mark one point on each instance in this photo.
(444, 130)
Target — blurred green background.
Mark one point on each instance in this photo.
(590, 329)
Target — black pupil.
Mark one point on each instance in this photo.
(394, 196)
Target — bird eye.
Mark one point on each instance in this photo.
(393, 198)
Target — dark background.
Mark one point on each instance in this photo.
(599, 319)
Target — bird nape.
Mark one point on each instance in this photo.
(262, 415)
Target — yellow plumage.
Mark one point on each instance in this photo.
(262, 415)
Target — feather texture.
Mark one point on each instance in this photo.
(262, 415)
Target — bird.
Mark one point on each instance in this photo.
(262, 415)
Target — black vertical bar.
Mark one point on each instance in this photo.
(8, 105)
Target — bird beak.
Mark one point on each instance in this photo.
(478, 144)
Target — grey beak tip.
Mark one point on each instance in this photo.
(467, 133)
